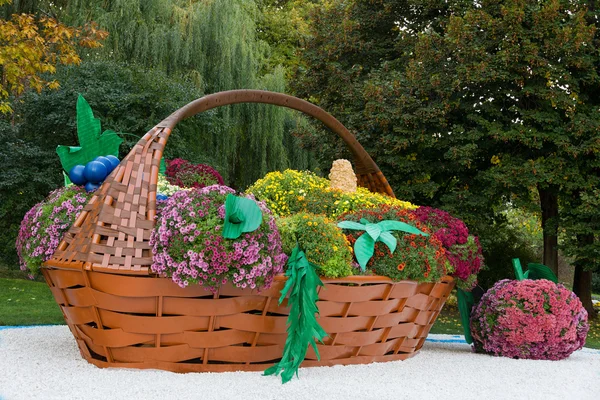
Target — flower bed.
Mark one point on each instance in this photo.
(462, 249)
(183, 173)
(187, 244)
(44, 226)
(290, 192)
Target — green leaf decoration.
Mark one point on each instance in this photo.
(241, 215)
(540, 271)
(356, 226)
(534, 271)
(389, 240)
(91, 142)
(519, 275)
(303, 328)
(162, 168)
(364, 247)
(67, 180)
(465, 306)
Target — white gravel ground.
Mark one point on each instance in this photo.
(44, 363)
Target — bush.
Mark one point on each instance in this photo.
(291, 192)
(417, 257)
(183, 173)
(534, 319)
(187, 244)
(323, 243)
(463, 250)
(125, 98)
(501, 243)
(44, 226)
(24, 181)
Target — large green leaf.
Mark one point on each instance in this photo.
(518, 269)
(465, 306)
(351, 225)
(540, 271)
(389, 225)
(374, 230)
(380, 232)
(91, 142)
(241, 215)
(303, 327)
(364, 247)
(389, 240)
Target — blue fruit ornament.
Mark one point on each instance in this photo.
(161, 196)
(106, 162)
(76, 175)
(91, 187)
(95, 172)
(114, 161)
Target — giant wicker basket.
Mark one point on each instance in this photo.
(123, 316)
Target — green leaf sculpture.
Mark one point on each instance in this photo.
(518, 269)
(534, 271)
(465, 306)
(303, 328)
(241, 215)
(379, 232)
(91, 142)
(540, 271)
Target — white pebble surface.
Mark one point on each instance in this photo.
(44, 363)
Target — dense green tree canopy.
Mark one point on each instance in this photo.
(465, 105)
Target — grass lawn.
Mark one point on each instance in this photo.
(25, 302)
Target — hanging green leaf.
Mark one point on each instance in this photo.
(540, 271)
(364, 247)
(519, 275)
(241, 215)
(303, 328)
(91, 142)
(465, 306)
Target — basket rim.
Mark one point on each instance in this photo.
(356, 279)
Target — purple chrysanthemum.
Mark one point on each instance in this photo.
(188, 247)
(44, 226)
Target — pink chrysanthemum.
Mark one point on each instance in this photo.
(188, 247)
(44, 226)
(534, 319)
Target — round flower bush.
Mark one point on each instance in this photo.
(417, 257)
(324, 244)
(183, 173)
(534, 319)
(462, 250)
(44, 226)
(188, 247)
(290, 192)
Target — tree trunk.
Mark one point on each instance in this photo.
(582, 286)
(549, 206)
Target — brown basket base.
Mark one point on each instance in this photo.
(149, 322)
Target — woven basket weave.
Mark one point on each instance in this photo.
(123, 316)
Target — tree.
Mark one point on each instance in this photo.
(215, 45)
(30, 47)
(476, 107)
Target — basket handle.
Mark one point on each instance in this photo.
(112, 233)
(367, 171)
